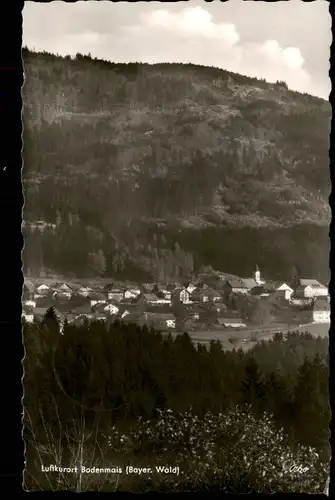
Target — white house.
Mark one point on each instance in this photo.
(111, 309)
(310, 288)
(190, 288)
(64, 287)
(280, 292)
(131, 293)
(286, 289)
(116, 294)
(30, 303)
(185, 296)
(321, 310)
(250, 283)
(63, 291)
(42, 289)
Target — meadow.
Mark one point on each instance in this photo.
(246, 338)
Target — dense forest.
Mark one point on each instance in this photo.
(128, 160)
(144, 397)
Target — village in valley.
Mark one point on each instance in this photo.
(210, 306)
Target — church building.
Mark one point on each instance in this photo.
(256, 281)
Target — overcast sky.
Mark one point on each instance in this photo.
(277, 41)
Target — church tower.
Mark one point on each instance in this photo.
(258, 275)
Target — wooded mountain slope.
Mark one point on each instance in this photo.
(133, 153)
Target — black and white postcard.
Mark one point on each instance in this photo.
(176, 304)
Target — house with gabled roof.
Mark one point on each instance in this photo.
(65, 287)
(110, 309)
(131, 293)
(116, 293)
(283, 291)
(190, 287)
(62, 294)
(276, 290)
(234, 286)
(62, 290)
(42, 289)
(250, 283)
(310, 288)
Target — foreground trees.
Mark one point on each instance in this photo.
(128, 395)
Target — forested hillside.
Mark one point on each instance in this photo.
(154, 171)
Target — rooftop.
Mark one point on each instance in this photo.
(311, 282)
(249, 282)
(237, 283)
(159, 316)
